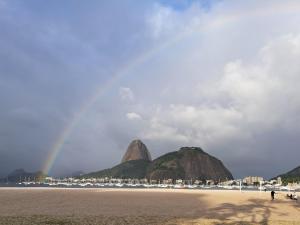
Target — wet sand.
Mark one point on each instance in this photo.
(143, 206)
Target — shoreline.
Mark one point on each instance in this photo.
(141, 189)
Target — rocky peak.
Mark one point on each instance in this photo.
(136, 150)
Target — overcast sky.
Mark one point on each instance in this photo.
(221, 75)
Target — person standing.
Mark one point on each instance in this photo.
(272, 195)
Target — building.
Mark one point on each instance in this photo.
(167, 181)
(179, 181)
(279, 181)
(252, 180)
(198, 182)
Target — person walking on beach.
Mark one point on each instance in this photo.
(272, 195)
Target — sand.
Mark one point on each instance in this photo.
(143, 206)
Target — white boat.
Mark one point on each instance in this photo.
(229, 187)
(162, 185)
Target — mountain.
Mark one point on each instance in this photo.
(188, 163)
(136, 150)
(134, 163)
(131, 169)
(291, 176)
(20, 175)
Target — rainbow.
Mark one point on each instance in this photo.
(118, 75)
(125, 70)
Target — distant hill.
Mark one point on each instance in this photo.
(187, 163)
(291, 176)
(20, 175)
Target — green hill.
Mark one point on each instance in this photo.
(188, 163)
(291, 176)
(130, 169)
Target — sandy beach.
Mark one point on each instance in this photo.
(143, 206)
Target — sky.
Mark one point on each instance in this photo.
(84, 78)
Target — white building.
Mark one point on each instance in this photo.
(252, 180)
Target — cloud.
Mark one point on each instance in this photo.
(133, 116)
(264, 91)
(59, 68)
(126, 94)
(159, 22)
(224, 78)
(160, 131)
(249, 100)
(165, 21)
(194, 125)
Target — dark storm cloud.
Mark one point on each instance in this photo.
(53, 57)
(219, 75)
